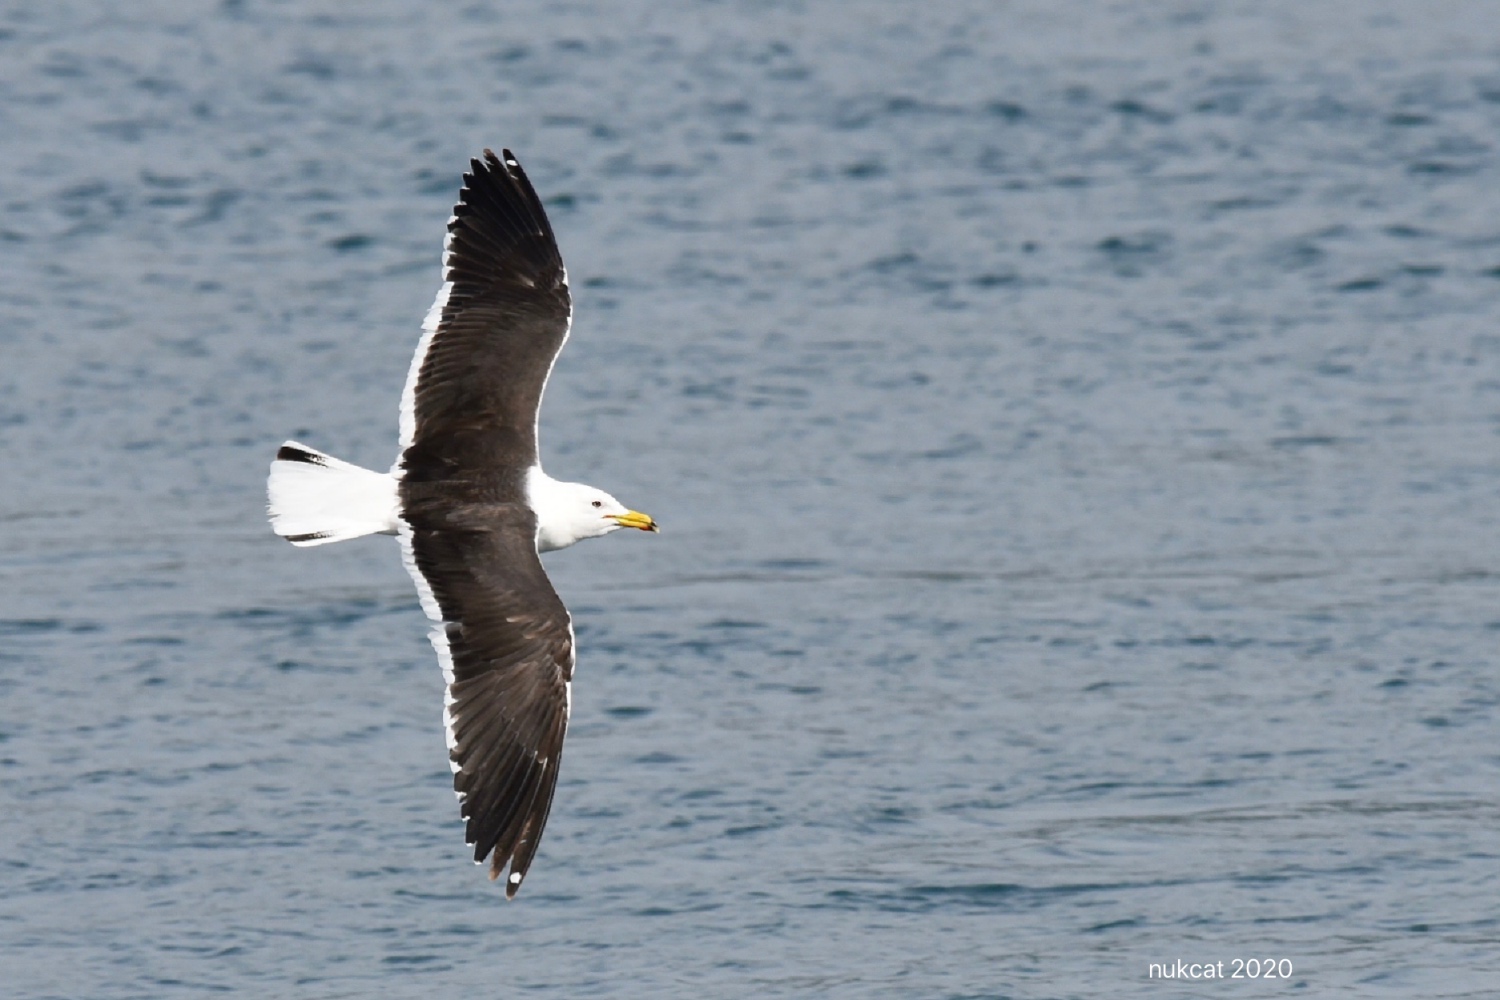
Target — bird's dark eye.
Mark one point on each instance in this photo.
(598, 503)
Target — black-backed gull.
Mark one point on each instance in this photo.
(472, 508)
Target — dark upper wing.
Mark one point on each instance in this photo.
(506, 645)
(489, 342)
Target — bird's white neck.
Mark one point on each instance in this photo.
(546, 497)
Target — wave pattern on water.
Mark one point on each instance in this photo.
(1074, 430)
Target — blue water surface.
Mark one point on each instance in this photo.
(1076, 433)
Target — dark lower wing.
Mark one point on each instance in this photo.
(506, 647)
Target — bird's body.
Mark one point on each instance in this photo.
(472, 508)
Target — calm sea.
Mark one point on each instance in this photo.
(1075, 429)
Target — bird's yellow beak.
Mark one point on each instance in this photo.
(634, 519)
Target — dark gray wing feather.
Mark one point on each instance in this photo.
(479, 383)
(509, 643)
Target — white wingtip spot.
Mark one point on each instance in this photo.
(515, 878)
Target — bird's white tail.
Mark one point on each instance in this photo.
(315, 499)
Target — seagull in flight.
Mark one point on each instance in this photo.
(472, 509)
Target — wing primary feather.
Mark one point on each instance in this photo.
(531, 834)
(497, 800)
(542, 226)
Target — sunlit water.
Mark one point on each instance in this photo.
(1074, 432)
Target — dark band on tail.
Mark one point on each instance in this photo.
(288, 453)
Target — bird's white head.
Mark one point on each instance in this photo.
(570, 512)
